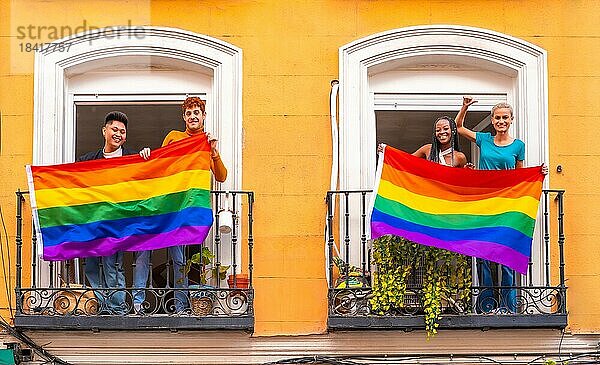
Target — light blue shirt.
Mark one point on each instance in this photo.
(493, 157)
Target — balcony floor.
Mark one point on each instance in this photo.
(132, 322)
(449, 321)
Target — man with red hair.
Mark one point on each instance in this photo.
(194, 115)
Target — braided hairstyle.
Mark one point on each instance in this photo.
(434, 154)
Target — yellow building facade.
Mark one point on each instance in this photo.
(271, 91)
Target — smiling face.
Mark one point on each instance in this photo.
(443, 132)
(194, 119)
(115, 134)
(502, 119)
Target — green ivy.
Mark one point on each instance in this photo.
(446, 280)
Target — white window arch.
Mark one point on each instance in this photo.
(364, 62)
(53, 128)
(483, 48)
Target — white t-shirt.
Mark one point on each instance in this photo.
(117, 153)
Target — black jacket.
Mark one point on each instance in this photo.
(96, 155)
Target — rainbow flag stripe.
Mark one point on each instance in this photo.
(100, 207)
(485, 214)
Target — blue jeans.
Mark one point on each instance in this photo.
(486, 300)
(112, 276)
(142, 268)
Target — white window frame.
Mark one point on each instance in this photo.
(53, 120)
(357, 128)
(490, 50)
(443, 102)
(51, 100)
(94, 99)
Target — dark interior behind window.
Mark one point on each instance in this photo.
(147, 127)
(410, 129)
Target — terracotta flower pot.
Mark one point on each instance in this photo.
(241, 281)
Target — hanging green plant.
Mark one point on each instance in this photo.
(389, 281)
(446, 279)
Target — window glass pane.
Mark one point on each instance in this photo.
(147, 127)
(410, 129)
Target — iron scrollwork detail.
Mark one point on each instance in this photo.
(79, 301)
(530, 300)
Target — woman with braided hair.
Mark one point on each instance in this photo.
(444, 147)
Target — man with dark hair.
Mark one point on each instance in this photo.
(114, 131)
(107, 271)
(194, 115)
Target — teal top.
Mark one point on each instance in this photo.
(493, 157)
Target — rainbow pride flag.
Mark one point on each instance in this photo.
(100, 207)
(485, 214)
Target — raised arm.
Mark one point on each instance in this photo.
(460, 119)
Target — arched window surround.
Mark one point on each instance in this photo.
(492, 50)
(482, 48)
(53, 132)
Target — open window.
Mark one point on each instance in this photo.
(406, 121)
(394, 84)
(145, 72)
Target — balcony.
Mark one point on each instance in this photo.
(540, 294)
(57, 295)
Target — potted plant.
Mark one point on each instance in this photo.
(238, 281)
(201, 300)
(352, 288)
(350, 276)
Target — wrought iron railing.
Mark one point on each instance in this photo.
(57, 294)
(538, 298)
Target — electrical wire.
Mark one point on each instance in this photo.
(382, 359)
(3, 323)
(560, 344)
(7, 283)
(32, 344)
(595, 354)
(411, 358)
(579, 359)
(316, 359)
(562, 336)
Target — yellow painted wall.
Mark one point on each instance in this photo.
(290, 54)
